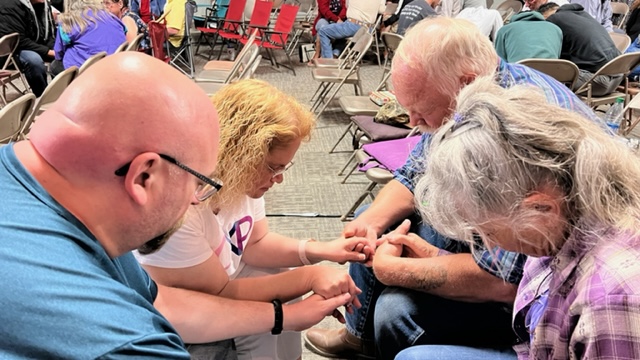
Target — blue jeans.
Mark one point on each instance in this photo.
(397, 318)
(34, 70)
(334, 32)
(634, 47)
(449, 352)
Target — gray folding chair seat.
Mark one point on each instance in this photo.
(13, 117)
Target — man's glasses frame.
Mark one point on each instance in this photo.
(203, 191)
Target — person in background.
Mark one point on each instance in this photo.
(452, 8)
(329, 12)
(599, 10)
(174, 14)
(414, 12)
(148, 9)
(540, 180)
(359, 13)
(633, 23)
(85, 29)
(489, 21)
(226, 248)
(536, 4)
(528, 36)
(587, 44)
(133, 22)
(33, 21)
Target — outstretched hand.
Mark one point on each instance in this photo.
(329, 282)
(310, 311)
(413, 246)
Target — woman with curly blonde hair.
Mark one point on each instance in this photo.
(529, 177)
(261, 129)
(84, 29)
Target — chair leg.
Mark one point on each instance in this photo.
(341, 172)
(290, 63)
(346, 131)
(368, 192)
(348, 175)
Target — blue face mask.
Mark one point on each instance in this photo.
(535, 312)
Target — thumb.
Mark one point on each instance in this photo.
(337, 301)
(403, 228)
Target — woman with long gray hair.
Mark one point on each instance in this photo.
(85, 29)
(530, 177)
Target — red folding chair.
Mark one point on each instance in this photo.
(259, 20)
(276, 39)
(231, 24)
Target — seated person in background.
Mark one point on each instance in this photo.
(359, 13)
(85, 29)
(33, 21)
(133, 22)
(536, 4)
(148, 9)
(226, 248)
(174, 14)
(414, 12)
(390, 20)
(529, 36)
(329, 12)
(633, 29)
(489, 21)
(572, 205)
(587, 44)
(633, 23)
(599, 10)
(452, 8)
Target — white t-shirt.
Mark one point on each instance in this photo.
(205, 233)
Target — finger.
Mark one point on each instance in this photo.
(359, 247)
(337, 301)
(403, 228)
(356, 302)
(338, 315)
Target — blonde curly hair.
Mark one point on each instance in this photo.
(255, 118)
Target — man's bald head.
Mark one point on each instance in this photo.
(124, 105)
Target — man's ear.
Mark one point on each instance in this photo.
(467, 79)
(143, 173)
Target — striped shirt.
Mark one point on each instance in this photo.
(592, 307)
(503, 264)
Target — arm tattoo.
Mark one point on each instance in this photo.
(430, 279)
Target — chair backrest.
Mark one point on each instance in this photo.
(13, 116)
(358, 51)
(249, 46)
(514, 5)
(122, 47)
(352, 41)
(622, 41)
(251, 69)
(564, 71)
(619, 11)
(285, 21)
(245, 62)
(90, 61)
(620, 65)
(190, 9)
(8, 44)
(261, 14)
(235, 13)
(135, 44)
(51, 93)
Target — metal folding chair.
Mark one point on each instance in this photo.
(8, 45)
(182, 57)
(13, 117)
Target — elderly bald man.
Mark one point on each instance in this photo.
(109, 168)
(425, 288)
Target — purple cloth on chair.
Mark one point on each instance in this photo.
(376, 131)
(389, 155)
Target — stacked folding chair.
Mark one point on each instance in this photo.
(332, 79)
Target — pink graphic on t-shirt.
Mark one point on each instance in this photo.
(240, 231)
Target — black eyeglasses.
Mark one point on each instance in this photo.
(203, 191)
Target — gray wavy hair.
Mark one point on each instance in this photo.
(501, 145)
(79, 13)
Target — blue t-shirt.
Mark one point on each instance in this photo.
(62, 296)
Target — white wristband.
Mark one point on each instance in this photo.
(302, 252)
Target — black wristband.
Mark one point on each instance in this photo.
(277, 324)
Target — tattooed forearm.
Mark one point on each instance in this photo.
(430, 279)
